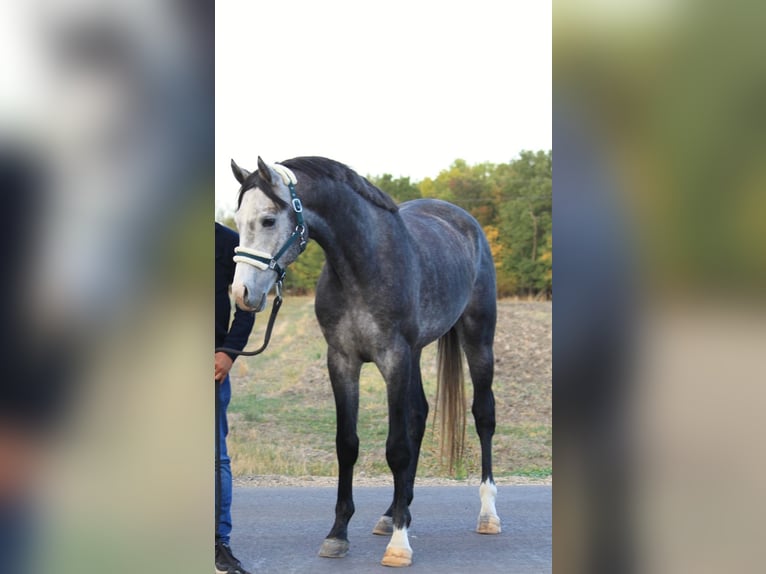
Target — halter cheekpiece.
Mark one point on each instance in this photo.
(261, 259)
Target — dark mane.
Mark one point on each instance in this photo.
(323, 168)
(318, 168)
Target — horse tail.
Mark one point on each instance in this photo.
(450, 398)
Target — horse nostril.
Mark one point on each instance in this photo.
(244, 293)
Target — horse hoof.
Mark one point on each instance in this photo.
(384, 527)
(488, 524)
(397, 557)
(334, 548)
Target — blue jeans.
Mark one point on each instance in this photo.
(223, 466)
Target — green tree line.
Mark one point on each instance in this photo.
(512, 202)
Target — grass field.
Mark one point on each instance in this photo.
(282, 414)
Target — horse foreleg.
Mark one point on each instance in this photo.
(344, 376)
(418, 417)
(396, 368)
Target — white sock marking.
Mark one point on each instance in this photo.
(399, 539)
(488, 493)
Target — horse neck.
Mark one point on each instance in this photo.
(352, 231)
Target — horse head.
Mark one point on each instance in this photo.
(271, 231)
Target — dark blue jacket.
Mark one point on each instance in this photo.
(235, 335)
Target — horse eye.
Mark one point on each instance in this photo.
(268, 222)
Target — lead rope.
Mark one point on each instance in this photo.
(267, 337)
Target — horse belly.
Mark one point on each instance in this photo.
(439, 310)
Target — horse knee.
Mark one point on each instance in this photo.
(398, 456)
(347, 448)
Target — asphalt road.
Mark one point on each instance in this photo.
(280, 529)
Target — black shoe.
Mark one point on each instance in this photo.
(225, 563)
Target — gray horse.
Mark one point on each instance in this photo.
(396, 278)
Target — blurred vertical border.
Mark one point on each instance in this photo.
(659, 276)
(106, 165)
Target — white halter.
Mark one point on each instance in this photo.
(286, 174)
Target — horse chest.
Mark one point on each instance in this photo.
(356, 331)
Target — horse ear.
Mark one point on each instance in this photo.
(264, 170)
(239, 173)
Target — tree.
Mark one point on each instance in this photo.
(525, 221)
(400, 189)
(467, 186)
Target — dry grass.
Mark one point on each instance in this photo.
(282, 415)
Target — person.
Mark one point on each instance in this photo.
(231, 334)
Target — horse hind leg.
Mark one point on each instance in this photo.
(481, 367)
(477, 339)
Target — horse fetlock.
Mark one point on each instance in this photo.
(334, 548)
(384, 526)
(344, 510)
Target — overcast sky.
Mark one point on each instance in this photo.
(400, 87)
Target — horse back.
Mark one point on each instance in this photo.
(448, 240)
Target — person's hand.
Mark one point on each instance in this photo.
(222, 365)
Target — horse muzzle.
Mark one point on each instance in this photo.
(246, 301)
